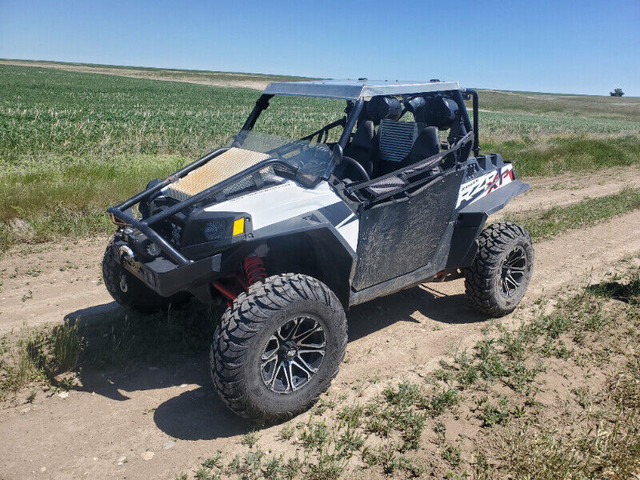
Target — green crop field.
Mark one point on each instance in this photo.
(208, 77)
(72, 143)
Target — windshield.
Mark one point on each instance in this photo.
(298, 131)
(310, 160)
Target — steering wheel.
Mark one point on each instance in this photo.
(358, 167)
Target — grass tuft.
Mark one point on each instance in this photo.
(547, 223)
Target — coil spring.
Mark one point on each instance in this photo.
(254, 269)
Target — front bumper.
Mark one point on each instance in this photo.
(165, 277)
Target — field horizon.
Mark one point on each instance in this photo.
(275, 76)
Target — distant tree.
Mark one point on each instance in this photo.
(617, 92)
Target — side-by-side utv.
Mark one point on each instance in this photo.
(291, 230)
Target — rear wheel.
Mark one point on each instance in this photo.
(127, 290)
(278, 347)
(502, 269)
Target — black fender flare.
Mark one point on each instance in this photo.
(310, 235)
(497, 199)
(471, 220)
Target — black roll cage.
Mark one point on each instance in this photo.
(121, 214)
(413, 175)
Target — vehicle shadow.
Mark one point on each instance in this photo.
(622, 292)
(125, 352)
(424, 300)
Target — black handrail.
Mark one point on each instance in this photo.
(476, 135)
(170, 179)
(412, 169)
(145, 225)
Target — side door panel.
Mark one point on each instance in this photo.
(399, 236)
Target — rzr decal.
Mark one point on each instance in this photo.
(479, 187)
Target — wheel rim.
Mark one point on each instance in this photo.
(513, 271)
(293, 355)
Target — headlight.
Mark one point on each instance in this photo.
(214, 230)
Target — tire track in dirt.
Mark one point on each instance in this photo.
(439, 312)
(43, 283)
(115, 414)
(129, 413)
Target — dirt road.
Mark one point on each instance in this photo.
(243, 80)
(138, 415)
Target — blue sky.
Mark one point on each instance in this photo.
(576, 46)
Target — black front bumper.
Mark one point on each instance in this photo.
(166, 278)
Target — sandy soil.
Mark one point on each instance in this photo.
(225, 80)
(135, 414)
(571, 188)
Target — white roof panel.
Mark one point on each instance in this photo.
(354, 89)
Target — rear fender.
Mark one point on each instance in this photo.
(471, 221)
(496, 199)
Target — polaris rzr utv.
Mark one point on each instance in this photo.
(291, 232)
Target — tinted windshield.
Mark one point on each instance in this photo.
(298, 131)
(310, 160)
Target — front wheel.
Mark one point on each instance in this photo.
(278, 347)
(502, 269)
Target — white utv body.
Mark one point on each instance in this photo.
(292, 232)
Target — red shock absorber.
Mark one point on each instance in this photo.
(254, 270)
(231, 287)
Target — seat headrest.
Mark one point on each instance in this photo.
(437, 111)
(365, 131)
(426, 145)
(383, 108)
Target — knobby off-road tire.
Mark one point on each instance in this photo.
(502, 269)
(257, 325)
(127, 290)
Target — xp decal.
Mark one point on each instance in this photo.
(479, 187)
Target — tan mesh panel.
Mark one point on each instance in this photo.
(224, 166)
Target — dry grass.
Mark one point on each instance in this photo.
(202, 77)
(38, 357)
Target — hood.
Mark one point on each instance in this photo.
(278, 202)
